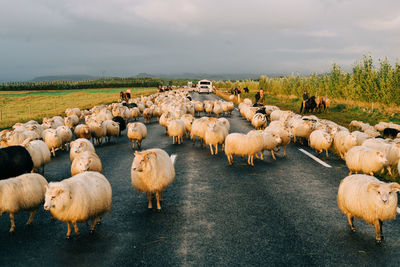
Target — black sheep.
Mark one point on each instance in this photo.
(390, 132)
(121, 122)
(14, 161)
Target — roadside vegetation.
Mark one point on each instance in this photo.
(23, 106)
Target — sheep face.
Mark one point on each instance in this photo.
(56, 197)
(384, 193)
(141, 160)
(381, 158)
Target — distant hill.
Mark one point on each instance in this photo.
(198, 76)
(73, 77)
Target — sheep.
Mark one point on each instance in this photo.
(360, 137)
(151, 172)
(208, 108)
(215, 135)
(52, 140)
(164, 119)
(367, 198)
(259, 121)
(14, 138)
(14, 161)
(71, 121)
(227, 107)
(365, 159)
(112, 128)
(147, 115)
(199, 127)
(98, 130)
(188, 120)
(135, 112)
(86, 161)
(121, 122)
(217, 109)
(85, 196)
(66, 135)
(302, 128)
(22, 193)
(198, 107)
(320, 140)
(391, 151)
(73, 111)
(78, 146)
(247, 101)
(137, 131)
(82, 131)
(176, 129)
(39, 153)
(283, 132)
(243, 145)
(342, 141)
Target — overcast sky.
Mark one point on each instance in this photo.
(125, 37)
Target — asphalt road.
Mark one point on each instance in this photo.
(279, 212)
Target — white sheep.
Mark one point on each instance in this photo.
(259, 121)
(66, 135)
(199, 127)
(22, 193)
(243, 145)
(137, 131)
(71, 121)
(112, 129)
(360, 137)
(284, 133)
(86, 161)
(215, 135)
(135, 112)
(82, 131)
(270, 141)
(342, 141)
(176, 129)
(217, 109)
(39, 152)
(302, 128)
(147, 115)
(366, 160)
(391, 151)
(151, 172)
(208, 107)
(52, 140)
(227, 107)
(82, 197)
(320, 140)
(188, 120)
(78, 146)
(367, 198)
(98, 131)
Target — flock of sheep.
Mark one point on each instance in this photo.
(28, 146)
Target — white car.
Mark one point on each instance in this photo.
(204, 89)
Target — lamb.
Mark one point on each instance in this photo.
(176, 129)
(243, 145)
(82, 131)
(85, 196)
(39, 153)
(52, 140)
(86, 161)
(22, 193)
(151, 172)
(259, 121)
(78, 146)
(66, 135)
(14, 161)
(365, 160)
(137, 131)
(112, 128)
(320, 140)
(215, 135)
(367, 198)
(342, 141)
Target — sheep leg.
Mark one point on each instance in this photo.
(31, 216)
(53, 151)
(378, 235)
(252, 158)
(216, 149)
(284, 151)
(66, 145)
(211, 150)
(76, 228)
(350, 220)
(158, 201)
(273, 155)
(294, 139)
(94, 223)
(327, 153)
(149, 206)
(371, 173)
(223, 146)
(389, 170)
(229, 159)
(12, 228)
(139, 143)
(173, 139)
(350, 172)
(69, 231)
(381, 224)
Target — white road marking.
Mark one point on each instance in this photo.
(173, 158)
(398, 210)
(315, 158)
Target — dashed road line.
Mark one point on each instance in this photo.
(315, 158)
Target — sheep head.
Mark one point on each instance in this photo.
(56, 197)
(384, 193)
(142, 159)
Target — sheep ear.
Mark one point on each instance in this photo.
(59, 191)
(373, 186)
(395, 187)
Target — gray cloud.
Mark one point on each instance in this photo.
(125, 37)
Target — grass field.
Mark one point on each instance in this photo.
(26, 105)
(341, 111)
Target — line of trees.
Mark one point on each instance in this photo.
(366, 82)
(88, 84)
